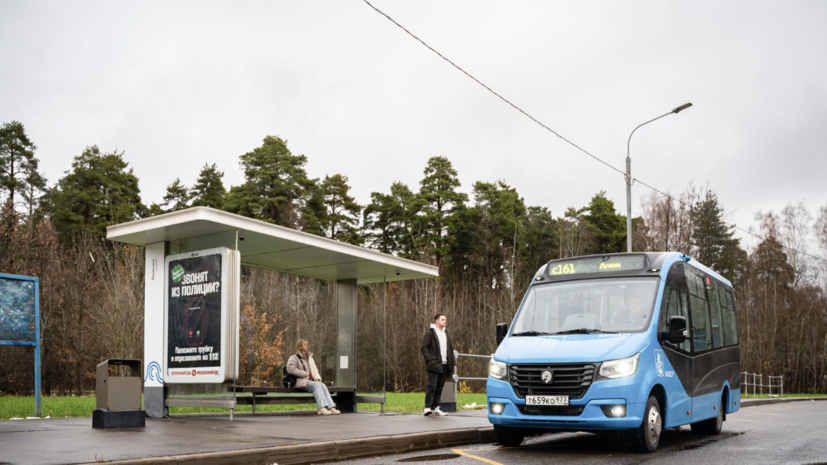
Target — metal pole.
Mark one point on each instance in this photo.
(385, 343)
(456, 376)
(37, 347)
(628, 199)
(629, 175)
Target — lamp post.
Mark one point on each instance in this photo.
(629, 175)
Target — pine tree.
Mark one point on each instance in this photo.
(388, 220)
(177, 197)
(439, 201)
(314, 212)
(608, 228)
(209, 190)
(341, 221)
(19, 174)
(713, 239)
(276, 184)
(99, 191)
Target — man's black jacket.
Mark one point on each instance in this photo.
(431, 354)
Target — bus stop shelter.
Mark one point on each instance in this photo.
(261, 245)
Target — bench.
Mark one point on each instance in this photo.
(345, 398)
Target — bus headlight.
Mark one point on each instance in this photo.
(496, 369)
(619, 368)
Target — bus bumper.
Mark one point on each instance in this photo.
(504, 408)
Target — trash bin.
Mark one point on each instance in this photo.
(118, 398)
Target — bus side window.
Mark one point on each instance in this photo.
(716, 321)
(730, 317)
(701, 331)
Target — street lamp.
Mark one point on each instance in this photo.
(629, 175)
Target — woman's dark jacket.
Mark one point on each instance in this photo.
(431, 354)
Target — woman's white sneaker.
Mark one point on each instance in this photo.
(334, 411)
(324, 411)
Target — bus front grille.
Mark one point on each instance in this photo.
(552, 411)
(570, 379)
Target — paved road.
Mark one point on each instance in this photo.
(793, 433)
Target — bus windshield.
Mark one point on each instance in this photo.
(609, 305)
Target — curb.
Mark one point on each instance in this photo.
(329, 451)
(777, 400)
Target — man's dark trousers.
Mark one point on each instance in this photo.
(436, 381)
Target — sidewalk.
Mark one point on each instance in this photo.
(298, 437)
(284, 438)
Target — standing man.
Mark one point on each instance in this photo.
(438, 353)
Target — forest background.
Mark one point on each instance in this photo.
(487, 247)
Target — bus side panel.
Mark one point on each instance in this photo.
(705, 406)
(711, 372)
(678, 401)
(734, 401)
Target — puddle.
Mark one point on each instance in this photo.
(706, 442)
(430, 458)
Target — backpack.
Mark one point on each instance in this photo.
(287, 380)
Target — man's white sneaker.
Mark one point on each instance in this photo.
(324, 411)
(439, 412)
(428, 412)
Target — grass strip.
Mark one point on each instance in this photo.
(68, 406)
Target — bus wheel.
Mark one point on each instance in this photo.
(713, 426)
(507, 436)
(646, 437)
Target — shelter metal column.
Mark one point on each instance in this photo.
(155, 392)
(346, 343)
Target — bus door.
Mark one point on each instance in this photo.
(678, 380)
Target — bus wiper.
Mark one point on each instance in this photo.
(531, 333)
(585, 331)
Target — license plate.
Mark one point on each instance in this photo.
(547, 400)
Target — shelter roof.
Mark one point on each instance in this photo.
(269, 246)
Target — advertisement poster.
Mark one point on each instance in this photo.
(195, 316)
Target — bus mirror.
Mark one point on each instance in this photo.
(677, 329)
(502, 328)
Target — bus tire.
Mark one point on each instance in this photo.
(646, 437)
(508, 436)
(712, 426)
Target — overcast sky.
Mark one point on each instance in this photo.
(179, 84)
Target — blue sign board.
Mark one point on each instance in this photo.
(20, 319)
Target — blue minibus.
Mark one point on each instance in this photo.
(633, 342)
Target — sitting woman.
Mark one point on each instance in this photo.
(303, 367)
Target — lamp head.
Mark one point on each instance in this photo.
(682, 108)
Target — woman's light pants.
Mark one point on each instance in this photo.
(320, 392)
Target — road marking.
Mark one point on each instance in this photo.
(481, 459)
(768, 414)
(740, 419)
(489, 448)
